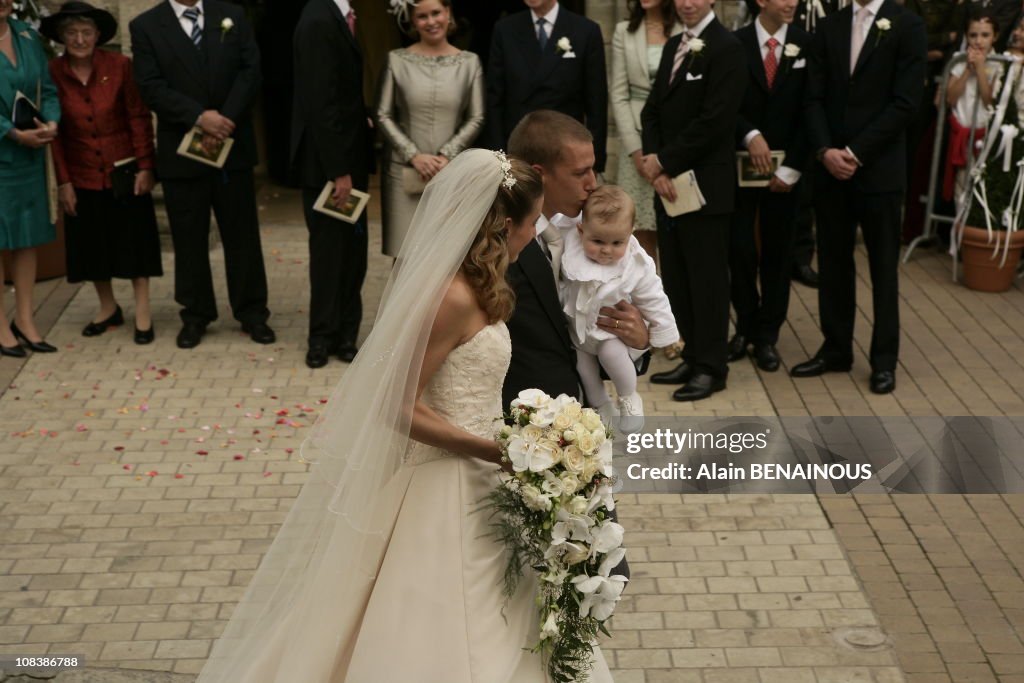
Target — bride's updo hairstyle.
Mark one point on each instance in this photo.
(487, 259)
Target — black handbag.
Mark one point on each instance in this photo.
(25, 113)
(122, 178)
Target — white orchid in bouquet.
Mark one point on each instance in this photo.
(552, 513)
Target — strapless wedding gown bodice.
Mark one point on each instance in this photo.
(466, 389)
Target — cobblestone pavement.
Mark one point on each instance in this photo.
(140, 485)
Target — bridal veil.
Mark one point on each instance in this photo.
(309, 593)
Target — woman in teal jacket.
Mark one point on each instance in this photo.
(24, 203)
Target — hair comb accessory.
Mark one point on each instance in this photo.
(400, 8)
(509, 180)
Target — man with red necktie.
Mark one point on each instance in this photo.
(769, 121)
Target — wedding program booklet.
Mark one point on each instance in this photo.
(349, 212)
(191, 147)
(749, 176)
(24, 113)
(688, 196)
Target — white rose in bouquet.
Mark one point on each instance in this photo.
(574, 460)
(586, 443)
(590, 419)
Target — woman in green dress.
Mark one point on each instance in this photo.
(24, 204)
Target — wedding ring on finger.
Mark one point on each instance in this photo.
(616, 323)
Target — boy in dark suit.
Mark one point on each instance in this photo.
(547, 58)
(867, 71)
(197, 65)
(689, 123)
(331, 142)
(769, 121)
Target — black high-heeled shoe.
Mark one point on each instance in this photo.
(96, 329)
(144, 336)
(13, 351)
(38, 347)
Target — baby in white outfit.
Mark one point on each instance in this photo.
(603, 264)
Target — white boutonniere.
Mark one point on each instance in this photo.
(696, 46)
(791, 50)
(883, 26)
(225, 27)
(564, 48)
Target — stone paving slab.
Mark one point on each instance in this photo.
(140, 486)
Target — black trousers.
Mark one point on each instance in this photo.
(803, 245)
(840, 208)
(232, 197)
(694, 252)
(759, 316)
(337, 267)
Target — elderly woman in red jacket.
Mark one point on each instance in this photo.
(104, 156)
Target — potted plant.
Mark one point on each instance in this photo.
(989, 235)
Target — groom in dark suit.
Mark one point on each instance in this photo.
(769, 121)
(867, 72)
(547, 58)
(543, 357)
(197, 66)
(331, 143)
(689, 123)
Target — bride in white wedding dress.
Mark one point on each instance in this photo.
(383, 571)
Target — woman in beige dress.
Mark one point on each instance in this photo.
(636, 53)
(431, 107)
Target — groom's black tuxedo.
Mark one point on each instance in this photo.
(522, 78)
(543, 356)
(867, 112)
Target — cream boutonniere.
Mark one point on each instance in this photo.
(883, 26)
(564, 48)
(225, 27)
(696, 46)
(791, 51)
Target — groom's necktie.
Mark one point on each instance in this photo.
(552, 237)
(192, 14)
(542, 33)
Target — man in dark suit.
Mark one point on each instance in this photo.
(197, 66)
(547, 58)
(331, 143)
(769, 121)
(867, 70)
(689, 123)
(543, 357)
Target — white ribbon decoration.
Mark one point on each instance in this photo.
(1007, 134)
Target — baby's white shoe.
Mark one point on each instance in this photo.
(631, 410)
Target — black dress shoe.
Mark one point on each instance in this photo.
(96, 329)
(767, 357)
(806, 276)
(700, 386)
(816, 367)
(190, 336)
(13, 351)
(38, 347)
(883, 381)
(737, 347)
(144, 336)
(316, 357)
(260, 333)
(346, 351)
(680, 374)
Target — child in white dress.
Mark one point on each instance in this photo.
(603, 264)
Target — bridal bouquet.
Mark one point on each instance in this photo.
(552, 514)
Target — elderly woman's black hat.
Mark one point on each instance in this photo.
(74, 9)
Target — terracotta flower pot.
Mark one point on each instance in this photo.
(982, 271)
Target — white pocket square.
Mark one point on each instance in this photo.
(692, 77)
(569, 55)
(800, 64)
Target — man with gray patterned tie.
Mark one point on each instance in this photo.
(197, 66)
